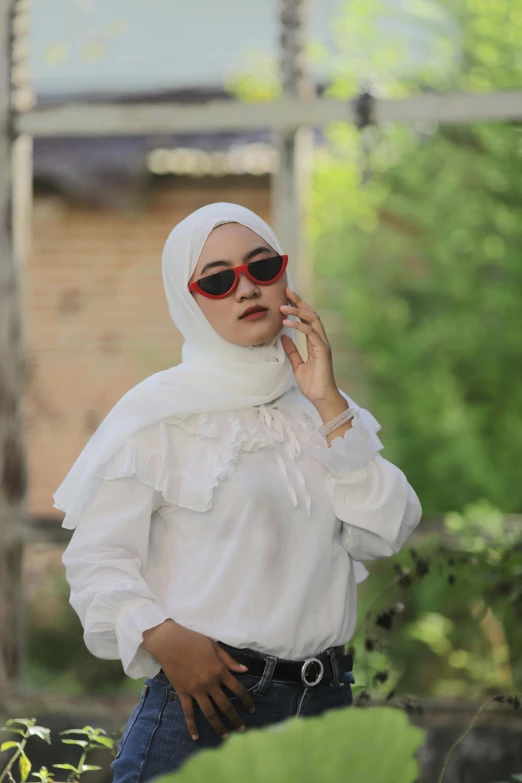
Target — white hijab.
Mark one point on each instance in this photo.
(214, 375)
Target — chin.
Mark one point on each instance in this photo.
(266, 333)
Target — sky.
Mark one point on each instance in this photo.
(85, 46)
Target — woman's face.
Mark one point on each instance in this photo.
(227, 246)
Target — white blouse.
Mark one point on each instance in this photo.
(244, 526)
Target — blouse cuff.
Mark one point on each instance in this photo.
(353, 451)
(132, 619)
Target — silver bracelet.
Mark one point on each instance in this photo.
(332, 425)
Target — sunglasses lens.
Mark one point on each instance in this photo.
(218, 283)
(266, 269)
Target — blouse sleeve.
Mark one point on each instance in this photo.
(104, 562)
(370, 496)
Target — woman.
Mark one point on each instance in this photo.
(223, 507)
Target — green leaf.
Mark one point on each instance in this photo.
(332, 747)
(81, 743)
(43, 773)
(23, 721)
(42, 732)
(14, 731)
(66, 766)
(74, 731)
(105, 741)
(87, 767)
(25, 767)
(10, 744)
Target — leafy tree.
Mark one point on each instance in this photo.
(421, 265)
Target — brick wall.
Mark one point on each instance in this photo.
(98, 321)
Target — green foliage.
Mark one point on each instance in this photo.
(421, 267)
(26, 728)
(458, 629)
(333, 747)
(57, 652)
(258, 81)
(417, 238)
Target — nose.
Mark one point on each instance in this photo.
(246, 288)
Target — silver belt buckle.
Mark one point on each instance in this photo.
(304, 669)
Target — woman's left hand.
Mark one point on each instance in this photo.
(315, 376)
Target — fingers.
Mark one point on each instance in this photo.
(291, 351)
(209, 711)
(307, 316)
(226, 707)
(240, 691)
(303, 310)
(207, 702)
(297, 301)
(188, 710)
(229, 661)
(310, 332)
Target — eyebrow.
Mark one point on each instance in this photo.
(247, 257)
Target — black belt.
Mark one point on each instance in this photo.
(309, 671)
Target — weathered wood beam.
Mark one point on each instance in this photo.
(292, 176)
(12, 460)
(100, 119)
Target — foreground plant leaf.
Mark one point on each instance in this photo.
(376, 745)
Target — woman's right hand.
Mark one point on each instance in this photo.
(197, 667)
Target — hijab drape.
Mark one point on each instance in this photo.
(214, 375)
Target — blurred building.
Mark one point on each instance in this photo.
(98, 319)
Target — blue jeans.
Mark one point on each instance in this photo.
(156, 739)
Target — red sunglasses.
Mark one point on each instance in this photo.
(221, 284)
